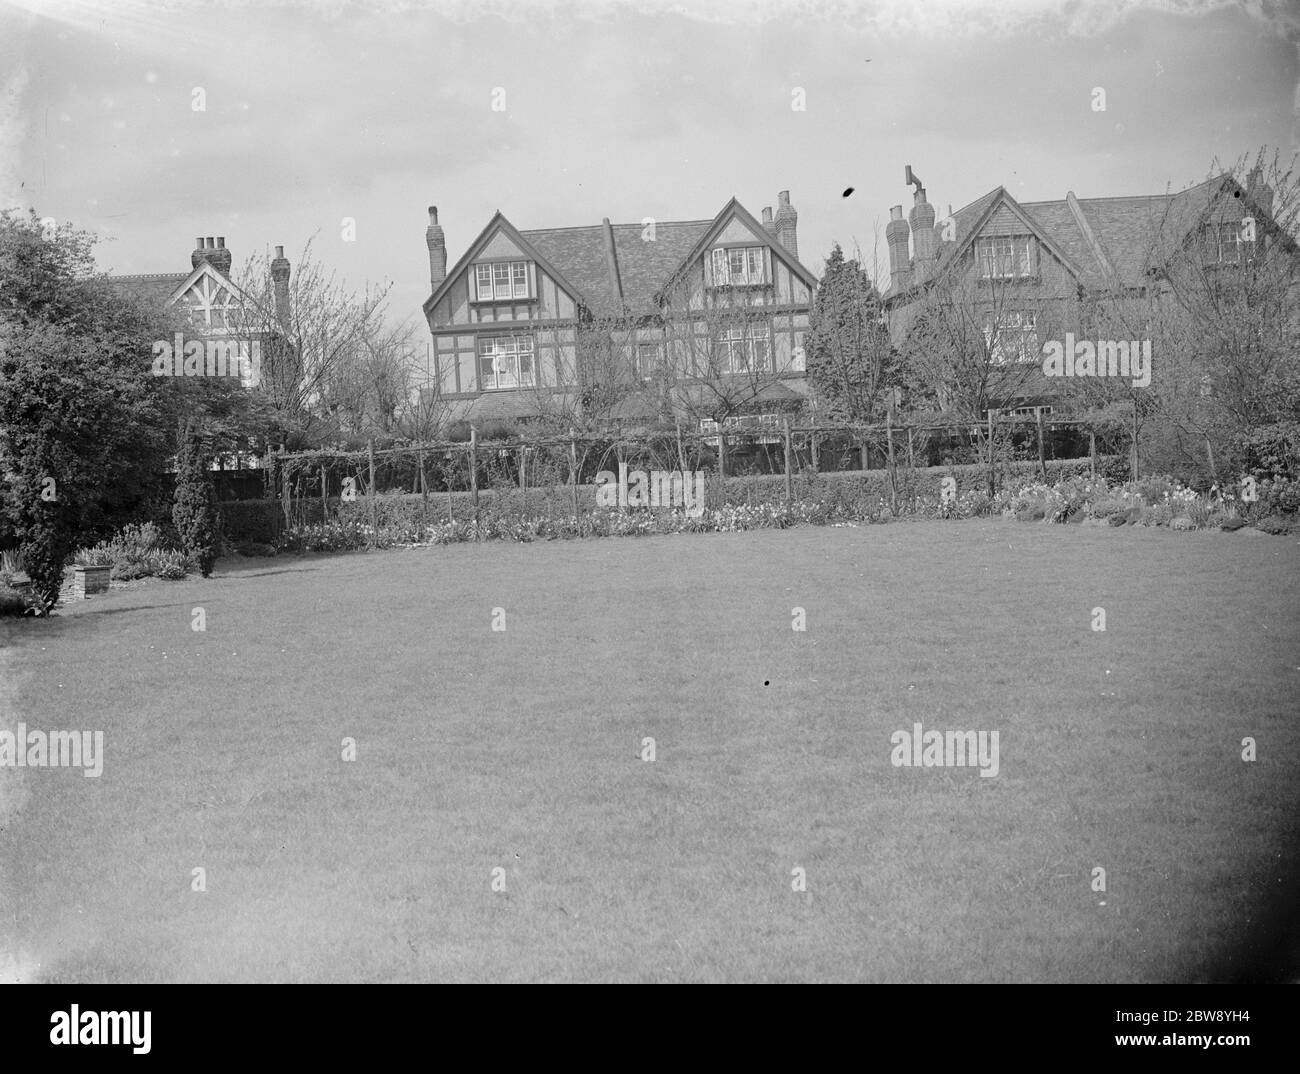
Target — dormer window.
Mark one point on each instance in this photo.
(739, 265)
(499, 280)
(1224, 244)
(1006, 257)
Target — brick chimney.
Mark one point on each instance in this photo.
(200, 253)
(924, 240)
(896, 234)
(437, 243)
(767, 219)
(787, 220)
(1259, 192)
(220, 258)
(280, 278)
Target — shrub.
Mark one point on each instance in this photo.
(44, 551)
(11, 602)
(169, 564)
(195, 512)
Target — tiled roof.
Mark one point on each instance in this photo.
(643, 266)
(150, 287)
(1128, 229)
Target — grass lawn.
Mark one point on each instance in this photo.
(521, 751)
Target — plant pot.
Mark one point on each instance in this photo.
(88, 580)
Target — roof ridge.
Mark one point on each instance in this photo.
(600, 226)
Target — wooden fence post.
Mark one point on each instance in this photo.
(889, 452)
(473, 473)
(284, 493)
(722, 452)
(424, 490)
(993, 487)
(789, 474)
(573, 470)
(1134, 453)
(374, 507)
(911, 458)
(815, 455)
(1092, 450)
(1042, 461)
(324, 496)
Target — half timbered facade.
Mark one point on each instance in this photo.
(659, 320)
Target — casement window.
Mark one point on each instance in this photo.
(649, 360)
(1223, 244)
(738, 265)
(501, 279)
(798, 358)
(1004, 257)
(505, 362)
(744, 348)
(1013, 337)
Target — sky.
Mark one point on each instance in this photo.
(317, 112)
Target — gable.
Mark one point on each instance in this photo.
(793, 282)
(500, 235)
(501, 245)
(737, 231)
(1003, 222)
(1002, 216)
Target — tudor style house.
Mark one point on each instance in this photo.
(209, 301)
(206, 296)
(695, 320)
(1027, 272)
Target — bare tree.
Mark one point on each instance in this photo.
(310, 325)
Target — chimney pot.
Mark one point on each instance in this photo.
(209, 243)
(221, 242)
(433, 216)
(279, 251)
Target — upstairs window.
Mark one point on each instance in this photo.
(739, 265)
(505, 362)
(1005, 257)
(1223, 244)
(648, 360)
(1012, 337)
(744, 349)
(501, 280)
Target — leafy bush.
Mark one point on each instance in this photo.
(195, 512)
(169, 564)
(138, 550)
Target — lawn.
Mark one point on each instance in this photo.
(521, 750)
